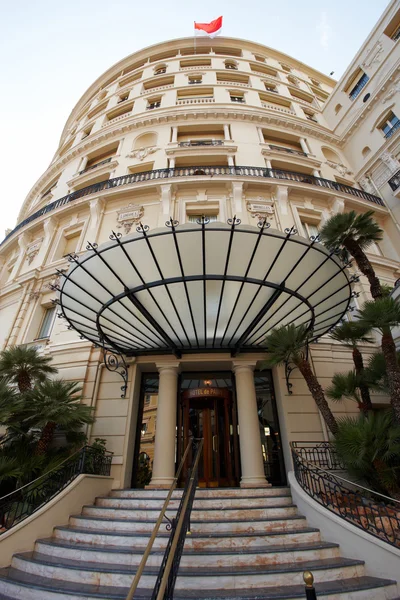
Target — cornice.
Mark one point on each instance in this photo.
(175, 115)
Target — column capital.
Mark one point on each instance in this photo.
(172, 365)
(247, 364)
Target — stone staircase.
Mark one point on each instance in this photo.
(244, 543)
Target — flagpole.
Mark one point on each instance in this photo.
(194, 36)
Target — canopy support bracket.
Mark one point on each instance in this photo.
(115, 362)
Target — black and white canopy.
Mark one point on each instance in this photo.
(202, 287)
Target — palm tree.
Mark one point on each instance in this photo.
(375, 372)
(345, 385)
(369, 447)
(23, 366)
(57, 403)
(355, 233)
(350, 334)
(288, 343)
(383, 314)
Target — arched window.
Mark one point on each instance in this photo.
(231, 64)
(338, 108)
(331, 155)
(365, 151)
(145, 140)
(160, 69)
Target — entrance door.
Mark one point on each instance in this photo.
(207, 414)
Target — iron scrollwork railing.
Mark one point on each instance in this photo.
(156, 174)
(370, 511)
(23, 502)
(178, 526)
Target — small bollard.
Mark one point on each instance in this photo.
(308, 578)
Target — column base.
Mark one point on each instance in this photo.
(254, 482)
(160, 483)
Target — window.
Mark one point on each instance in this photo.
(389, 125)
(195, 79)
(286, 68)
(123, 97)
(309, 229)
(393, 28)
(147, 399)
(143, 428)
(337, 108)
(270, 88)
(310, 116)
(235, 97)
(360, 84)
(71, 243)
(47, 323)
(87, 132)
(153, 103)
(160, 71)
(315, 82)
(231, 65)
(195, 218)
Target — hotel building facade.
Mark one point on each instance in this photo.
(212, 170)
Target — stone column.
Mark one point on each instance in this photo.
(260, 135)
(172, 163)
(304, 146)
(268, 163)
(164, 447)
(316, 173)
(231, 162)
(226, 133)
(83, 164)
(249, 429)
(174, 134)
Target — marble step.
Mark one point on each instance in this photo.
(211, 514)
(198, 504)
(232, 526)
(224, 557)
(204, 493)
(216, 578)
(23, 586)
(195, 540)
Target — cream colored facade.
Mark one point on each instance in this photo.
(232, 103)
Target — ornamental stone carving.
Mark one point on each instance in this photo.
(393, 90)
(373, 55)
(390, 161)
(129, 215)
(33, 250)
(260, 208)
(367, 185)
(141, 153)
(341, 169)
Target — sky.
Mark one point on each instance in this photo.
(52, 51)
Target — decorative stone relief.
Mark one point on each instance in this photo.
(373, 55)
(390, 161)
(129, 215)
(141, 153)
(341, 169)
(260, 208)
(393, 90)
(34, 295)
(367, 185)
(33, 250)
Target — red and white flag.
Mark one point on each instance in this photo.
(211, 29)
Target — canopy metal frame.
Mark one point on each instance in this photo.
(124, 326)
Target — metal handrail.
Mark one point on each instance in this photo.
(149, 546)
(184, 515)
(371, 511)
(26, 500)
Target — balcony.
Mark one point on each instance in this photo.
(199, 100)
(225, 171)
(394, 181)
(191, 143)
(282, 109)
(288, 150)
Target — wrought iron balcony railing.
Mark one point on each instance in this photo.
(289, 150)
(370, 511)
(23, 502)
(394, 181)
(228, 171)
(201, 143)
(391, 131)
(102, 162)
